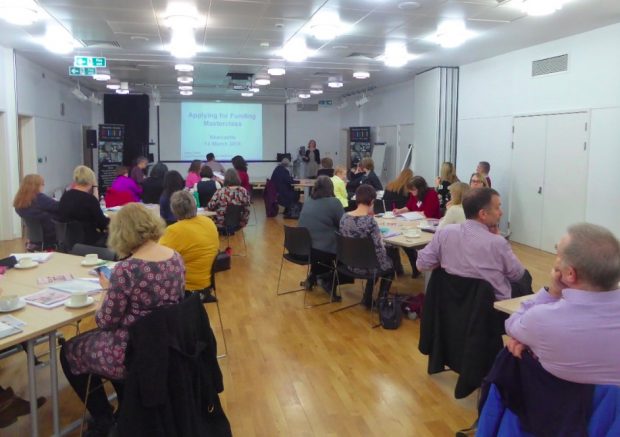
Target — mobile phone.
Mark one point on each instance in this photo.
(107, 272)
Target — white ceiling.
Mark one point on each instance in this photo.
(231, 40)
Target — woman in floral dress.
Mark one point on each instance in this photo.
(232, 193)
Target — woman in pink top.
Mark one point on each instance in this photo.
(124, 184)
(193, 174)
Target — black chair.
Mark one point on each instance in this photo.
(84, 249)
(34, 233)
(68, 234)
(232, 224)
(379, 206)
(217, 304)
(356, 253)
(297, 250)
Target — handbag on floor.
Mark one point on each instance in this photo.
(390, 313)
(222, 262)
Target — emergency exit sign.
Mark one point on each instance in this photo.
(89, 61)
(80, 71)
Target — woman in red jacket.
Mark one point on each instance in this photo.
(421, 199)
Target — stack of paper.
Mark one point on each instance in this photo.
(76, 286)
(39, 257)
(412, 215)
(47, 298)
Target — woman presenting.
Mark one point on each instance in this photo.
(313, 159)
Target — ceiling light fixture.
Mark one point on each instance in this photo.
(538, 8)
(262, 80)
(121, 91)
(113, 86)
(20, 13)
(182, 18)
(335, 83)
(185, 68)
(185, 79)
(254, 90)
(361, 74)
(304, 95)
(326, 26)
(186, 92)
(316, 90)
(450, 34)
(276, 71)
(77, 92)
(396, 54)
(102, 74)
(58, 40)
(124, 89)
(247, 94)
(295, 50)
(186, 87)
(183, 43)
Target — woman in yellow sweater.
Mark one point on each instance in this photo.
(340, 189)
(195, 237)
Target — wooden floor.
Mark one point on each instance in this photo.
(292, 371)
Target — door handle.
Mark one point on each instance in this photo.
(539, 190)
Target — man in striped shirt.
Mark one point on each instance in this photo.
(474, 249)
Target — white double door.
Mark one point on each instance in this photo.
(548, 177)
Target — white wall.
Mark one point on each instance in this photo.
(496, 89)
(426, 124)
(58, 136)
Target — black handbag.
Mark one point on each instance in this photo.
(222, 262)
(8, 262)
(390, 312)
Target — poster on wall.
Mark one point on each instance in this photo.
(111, 144)
(359, 138)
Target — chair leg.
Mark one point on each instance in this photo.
(90, 376)
(219, 314)
(280, 277)
(372, 305)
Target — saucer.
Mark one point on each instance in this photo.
(89, 301)
(389, 216)
(19, 306)
(91, 264)
(22, 267)
(411, 235)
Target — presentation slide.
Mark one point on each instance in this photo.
(225, 129)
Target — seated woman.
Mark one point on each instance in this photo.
(327, 167)
(421, 199)
(340, 188)
(455, 213)
(31, 203)
(232, 193)
(396, 193)
(173, 182)
(124, 188)
(447, 176)
(151, 276)
(283, 182)
(153, 186)
(477, 180)
(195, 238)
(193, 173)
(207, 186)
(360, 223)
(137, 172)
(241, 166)
(321, 215)
(78, 204)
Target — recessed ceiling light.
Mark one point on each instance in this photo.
(339, 47)
(396, 54)
(180, 15)
(304, 95)
(316, 91)
(407, 6)
(186, 68)
(121, 91)
(20, 13)
(326, 26)
(295, 50)
(186, 87)
(335, 83)
(247, 94)
(264, 44)
(113, 86)
(262, 81)
(539, 7)
(186, 92)
(185, 79)
(361, 74)
(276, 71)
(450, 34)
(58, 40)
(102, 75)
(138, 38)
(254, 90)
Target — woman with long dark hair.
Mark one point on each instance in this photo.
(241, 166)
(173, 182)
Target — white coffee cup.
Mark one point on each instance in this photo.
(412, 233)
(78, 298)
(9, 302)
(388, 214)
(423, 223)
(91, 258)
(26, 262)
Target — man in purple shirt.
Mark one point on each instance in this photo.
(474, 249)
(573, 326)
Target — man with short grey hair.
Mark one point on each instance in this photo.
(573, 325)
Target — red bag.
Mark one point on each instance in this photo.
(414, 304)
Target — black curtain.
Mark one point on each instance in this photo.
(131, 110)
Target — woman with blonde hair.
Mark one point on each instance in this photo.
(31, 203)
(447, 176)
(478, 180)
(455, 213)
(339, 180)
(151, 276)
(78, 204)
(396, 193)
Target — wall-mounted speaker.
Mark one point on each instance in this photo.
(91, 138)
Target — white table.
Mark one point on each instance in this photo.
(155, 208)
(510, 306)
(43, 322)
(401, 225)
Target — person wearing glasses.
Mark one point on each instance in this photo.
(477, 180)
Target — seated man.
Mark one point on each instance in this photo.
(196, 239)
(572, 325)
(283, 181)
(474, 249)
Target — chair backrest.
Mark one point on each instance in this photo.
(297, 240)
(68, 234)
(232, 216)
(61, 231)
(34, 230)
(356, 252)
(84, 249)
(379, 206)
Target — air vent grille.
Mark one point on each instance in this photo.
(556, 64)
(307, 107)
(101, 43)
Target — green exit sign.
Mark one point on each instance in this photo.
(88, 61)
(80, 71)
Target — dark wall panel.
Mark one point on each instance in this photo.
(132, 111)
